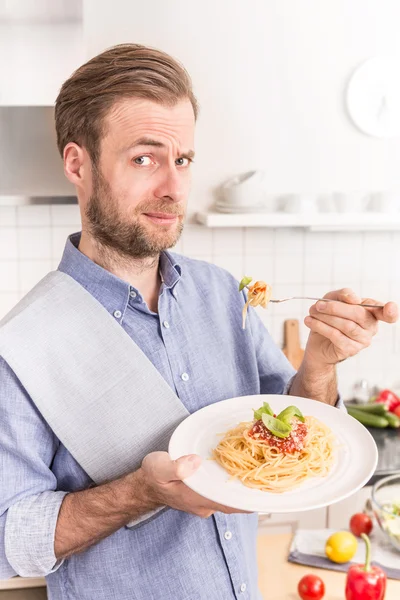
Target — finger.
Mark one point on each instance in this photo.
(164, 470)
(349, 328)
(389, 313)
(208, 507)
(344, 295)
(345, 347)
(227, 509)
(356, 315)
(236, 511)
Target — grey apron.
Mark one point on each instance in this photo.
(100, 394)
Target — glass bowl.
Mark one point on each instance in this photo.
(386, 507)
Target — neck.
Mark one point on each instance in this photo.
(141, 273)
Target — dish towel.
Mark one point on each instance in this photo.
(308, 548)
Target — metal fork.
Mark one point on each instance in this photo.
(325, 300)
(321, 300)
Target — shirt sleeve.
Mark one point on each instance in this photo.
(276, 372)
(29, 500)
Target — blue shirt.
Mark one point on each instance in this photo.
(197, 344)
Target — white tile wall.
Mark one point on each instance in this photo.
(295, 262)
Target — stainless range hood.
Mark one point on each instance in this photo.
(31, 170)
(16, 200)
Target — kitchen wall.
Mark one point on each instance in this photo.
(270, 78)
(293, 261)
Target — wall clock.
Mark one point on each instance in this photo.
(373, 97)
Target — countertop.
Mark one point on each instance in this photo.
(278, 578)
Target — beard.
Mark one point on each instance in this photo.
(124, 234)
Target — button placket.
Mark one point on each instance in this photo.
(226, 527)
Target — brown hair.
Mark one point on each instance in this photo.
(123, 71)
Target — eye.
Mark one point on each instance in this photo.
(183, 162)
(143, 161)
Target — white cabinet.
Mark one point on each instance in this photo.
(41, 44)
(339, 514)
(289, 523)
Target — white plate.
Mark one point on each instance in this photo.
(355, 462)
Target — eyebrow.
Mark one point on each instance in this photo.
(144, 141)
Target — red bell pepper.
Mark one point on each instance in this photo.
(389, 399)
(365, 582)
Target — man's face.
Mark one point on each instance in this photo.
(141, 185)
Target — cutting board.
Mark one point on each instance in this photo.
(291, 347)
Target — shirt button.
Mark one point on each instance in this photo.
(132, 294)
(228, 535)
(243, 587)
(175, 293)
(117, 314)
(185, 376)
(166, 324)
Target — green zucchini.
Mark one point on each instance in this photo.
(368, 419)
(394, 421)
(376, 408)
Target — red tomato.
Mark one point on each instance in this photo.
(360, 523)
(311, 587)
(397, 411)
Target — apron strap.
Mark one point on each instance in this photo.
(97, 390)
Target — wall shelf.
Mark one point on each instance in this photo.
(367, 221)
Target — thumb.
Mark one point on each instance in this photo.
(164, 470)
(344, 295)
(185, 466)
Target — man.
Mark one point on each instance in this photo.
(125, 126)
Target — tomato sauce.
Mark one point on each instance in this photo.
(293, 443)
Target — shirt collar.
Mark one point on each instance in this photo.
(108, 289)
(170, 270)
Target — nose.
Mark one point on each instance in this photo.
(171, 185)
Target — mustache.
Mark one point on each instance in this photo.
(160, 207)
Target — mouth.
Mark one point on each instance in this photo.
(162, 218)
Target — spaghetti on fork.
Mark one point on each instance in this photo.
(259, 295)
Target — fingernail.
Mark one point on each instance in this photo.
(192, 458)
(321, 305)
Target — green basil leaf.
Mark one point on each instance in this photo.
(288, 413)
(276, 427)
(245, 281)
(265, 409)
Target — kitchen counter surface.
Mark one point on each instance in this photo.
(278, 578)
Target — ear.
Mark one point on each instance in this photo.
(75, 164)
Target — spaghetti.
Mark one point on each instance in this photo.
(259, 295)
(262, 460)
